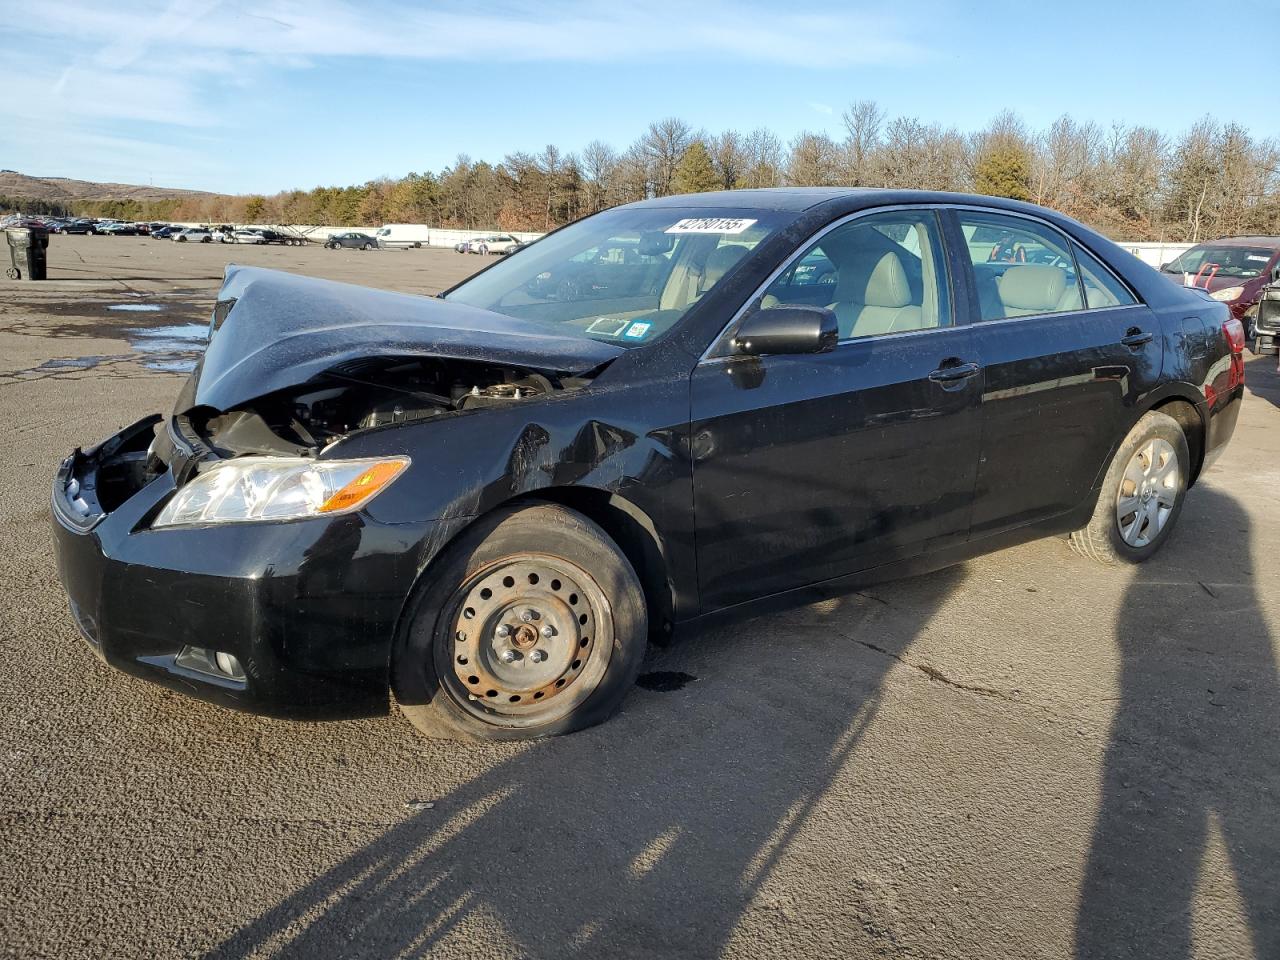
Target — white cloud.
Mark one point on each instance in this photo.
(578, 30)
(824, 108)
(88, 68)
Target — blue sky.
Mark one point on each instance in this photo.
(273, 94)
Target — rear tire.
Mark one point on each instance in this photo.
(1142, 494)
(532, 624)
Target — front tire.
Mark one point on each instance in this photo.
(1142, 494)
(533, 624)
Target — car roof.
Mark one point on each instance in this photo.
(1242, 242)
(800, 199)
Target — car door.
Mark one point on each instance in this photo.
(1069, 351)
(809, 467)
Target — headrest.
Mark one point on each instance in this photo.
(1033, 286)
(885, 286)
(719, 262)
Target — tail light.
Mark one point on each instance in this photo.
(1234, 330)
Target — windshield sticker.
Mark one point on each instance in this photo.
(637, 331)
(1257, 259)
(607, 326)
(710, 225)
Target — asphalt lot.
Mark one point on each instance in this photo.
(1026, 756)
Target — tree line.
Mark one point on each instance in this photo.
(1129, 181)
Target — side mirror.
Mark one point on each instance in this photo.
(797, 328)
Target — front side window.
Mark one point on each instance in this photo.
(1021, 267)
(879, 274)
(624, 276)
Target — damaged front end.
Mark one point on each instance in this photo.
(227, 550)
(295, 365)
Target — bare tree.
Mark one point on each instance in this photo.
(863, 121)
(664, 143)
(599, 166)
(763, 153)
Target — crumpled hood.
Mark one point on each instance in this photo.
(284, 330)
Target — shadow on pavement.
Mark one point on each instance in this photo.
(648, 836)
(1194, 751)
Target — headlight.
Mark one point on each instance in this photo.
(1227, 293)
(251, 489)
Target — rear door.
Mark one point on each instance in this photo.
(1069, 352)
(811, 467)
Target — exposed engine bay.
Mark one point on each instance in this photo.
(365, 395)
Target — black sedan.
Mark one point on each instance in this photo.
(484, 504)
(351, 240)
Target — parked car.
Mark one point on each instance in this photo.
(117, 229)
(80, 227)
(247, 236)
(192, 235)
(1233, 270)
(352, 240)
(486, 502)
(462, 246)
(223, 234)
(497, 243)
(164, 232)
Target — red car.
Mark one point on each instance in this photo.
(1232, 270)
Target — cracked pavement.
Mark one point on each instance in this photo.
(1025, 756)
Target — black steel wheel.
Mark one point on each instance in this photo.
(533, 624)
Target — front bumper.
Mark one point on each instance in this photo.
(308, 607)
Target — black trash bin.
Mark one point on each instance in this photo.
(27, 253)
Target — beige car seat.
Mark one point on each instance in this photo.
(876, 301)
(1033, 288)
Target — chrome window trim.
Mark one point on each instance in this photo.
(794, 257)
(798, 254)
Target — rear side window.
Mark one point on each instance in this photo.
(1021, 268)
(1101, 288)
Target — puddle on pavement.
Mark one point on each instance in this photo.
(76, 363)
(174, 348)
(166, 337)
(664, 681)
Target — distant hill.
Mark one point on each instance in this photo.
(62, 190)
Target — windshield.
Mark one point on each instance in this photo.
(625, 276)
(1242, 262)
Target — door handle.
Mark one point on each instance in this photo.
(953, 370)
(1135, 337)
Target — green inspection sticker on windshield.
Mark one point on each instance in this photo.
(717, 225)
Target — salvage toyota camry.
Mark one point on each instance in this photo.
(481, 506)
